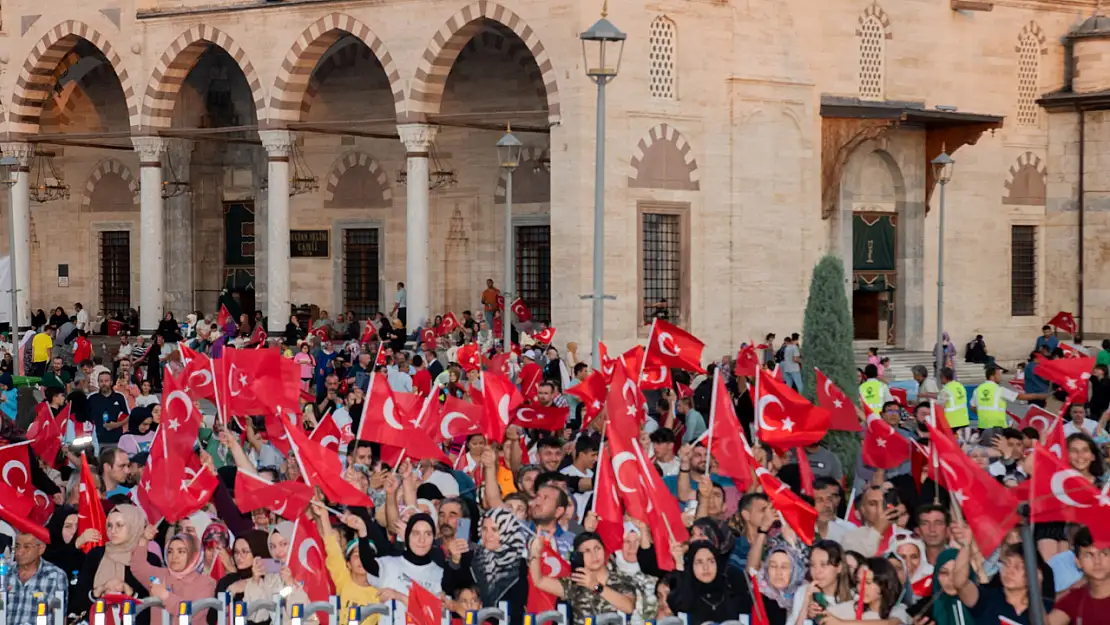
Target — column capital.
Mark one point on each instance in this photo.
(150, 150)
(25, 152)
(278, 143)
(418, 138)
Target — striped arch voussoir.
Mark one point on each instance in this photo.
(176, 63)
(109, 167)
(874, 11)
(426, 93)
(52, 55)
(1034, 32)
(358, 160)
(290, 99)
(662, 137)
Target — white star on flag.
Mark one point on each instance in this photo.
(881, 442)
(243, 380)
(960, 496)
(631, 411)
(173, 425)
(596, 404)
(788, 424)
(838, 404)
(1073, 383)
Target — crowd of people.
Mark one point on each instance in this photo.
(520, 514)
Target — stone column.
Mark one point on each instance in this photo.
(418, 139)
(151, 236)
(179, 224)
(278, 144)
(21, 231)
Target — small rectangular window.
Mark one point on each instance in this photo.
(1023, 271)
(533, 270)
(361, 277)
(664, 291)
(115, 272)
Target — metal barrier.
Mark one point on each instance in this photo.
(558, 616)
(608, 618)
(669, 620)
(132, 609)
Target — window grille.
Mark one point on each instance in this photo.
(662, 266)
(533, 270)
(661, 57)
(1023, 271)
(872, 50)
(361, 275)
(1028, 67)
(115, 272)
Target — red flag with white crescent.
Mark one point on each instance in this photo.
(286, 499)
(842, 411)
(456, 417)
(90, 514)
(536, 417)
(1066, 322)
(307, 560)
(673, 347)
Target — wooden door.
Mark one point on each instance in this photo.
(865, 314)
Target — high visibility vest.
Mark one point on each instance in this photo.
(871, 393)
(991, 408)
(955, 406)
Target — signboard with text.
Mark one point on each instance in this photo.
(309, 244)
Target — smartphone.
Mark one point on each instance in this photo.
(463, 530)
(890, 498)
(820, 599)
(577, 561)
(271, 566)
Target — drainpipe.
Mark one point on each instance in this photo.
(1080, 205)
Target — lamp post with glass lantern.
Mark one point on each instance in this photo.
(602, 47)
(942, 171)
(508, 157)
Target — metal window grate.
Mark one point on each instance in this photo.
(115, 272)
(1029, 55)
(533, 270)
(662, 266)
(872, 50)
(1023, 271)
(361, 273)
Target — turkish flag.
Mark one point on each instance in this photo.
(275, 430)
(785, 418)
(321, 468)
(607, 505)
(166, 478)
(448, 324)
(428, 338)
(197, 376)
(521, 311)
(286, 499)
(545, 336)
(759, 611)
(469, 357)
(725, 439)
(455, 418)
(196, 491)
(1060, 493)
(258, 335)
(671, 346)
(989, 507)
(656, 377)
(801, 516)
(591, 392)
(747, 362)
(536, 417)
(90, 514)
(1054, 439)
(223, 318)
(16, 462)
(883, 448)
(424, 608)
(382, 358)
(326, 433)
(17, 508)
(607, 364)
(552, 565)
(530, 377)
(499, 398)
(1066, 322)
(368, 332)
(251, 382)
(624, 404)
(388, 419)
(841, 409)
(1070, 373)
(500, 364)
(307, 561)
(46, 432)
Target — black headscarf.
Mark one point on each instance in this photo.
(137, 416)
(714, 590)
(62, 554)
(409, 555)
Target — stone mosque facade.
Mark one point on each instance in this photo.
(168, 150)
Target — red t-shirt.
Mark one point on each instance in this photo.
(83, 351)
(1083, 609)
(422, 382)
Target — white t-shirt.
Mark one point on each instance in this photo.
(1089, 426)
(402, 298)
(580, 499)
(83, 320)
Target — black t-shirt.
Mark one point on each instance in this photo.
(992, 605)
(102, 410)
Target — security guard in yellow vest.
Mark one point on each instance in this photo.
(954, 396)
(990, 399)
(873, 393)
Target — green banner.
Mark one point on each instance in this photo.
(873, 240)
(239, 234)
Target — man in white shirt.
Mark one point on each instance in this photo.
(82, 318)
(400, 305)
(1077, 421)
(400, 374)
(585, 457)
(826, 499)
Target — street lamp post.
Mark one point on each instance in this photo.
(602, 47)
(942, 171)
(508, 156)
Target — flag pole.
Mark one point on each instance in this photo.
(647, 350)
(712, 418)
(933, 450)
(758, 405)
(597, 474)
(216, 392)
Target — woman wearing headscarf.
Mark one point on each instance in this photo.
(627, 561)
(708, 589)
(182, 578)
(394, 569)
(782, 574)
(911, 551)
(141, 429)
(944, 606)
(107, 569)
(498, 567)
(63, 551)
(254, 578)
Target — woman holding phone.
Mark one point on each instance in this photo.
(594, 586)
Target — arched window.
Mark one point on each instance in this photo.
(661, 54)
(1029, 55)
(872, 50)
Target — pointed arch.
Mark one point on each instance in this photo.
(1026, 183)
(426, 92)
(105, 168)
(288, 101)
(362, 169)
(664, 160)
(176, 63)
(54, 53)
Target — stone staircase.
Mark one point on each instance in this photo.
(902, 360)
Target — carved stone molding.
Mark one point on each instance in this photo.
(278, 143)
(418, 138)
(839, 138)
(150, 150)
(25, 152)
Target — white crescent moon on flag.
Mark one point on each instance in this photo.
(182, 397)
(1055, 449)
(206, 376)
(763, 402)
(1059, 490)
(520, 415)
(828, 383)
(233, 381)
(280, 511)
(619, 461)
(662, 342)
(629, 392)
(445, 424)
(554, 565)
(329, 438)
(302, 555)
(503, 409)
(661, 377)
(387, 414)
(1043, 419)
(45, 499)
(14, 464)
